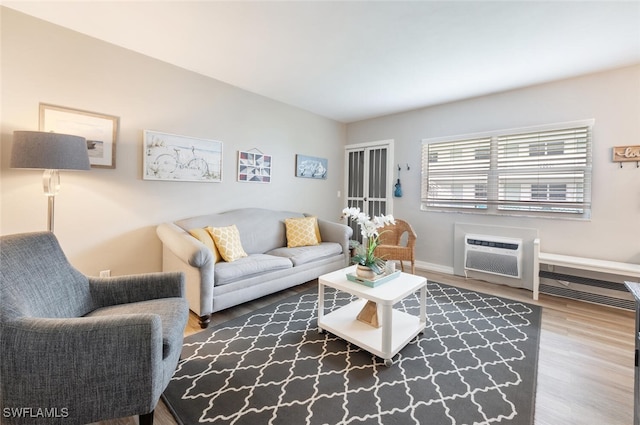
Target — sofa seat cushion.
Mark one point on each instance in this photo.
(307, 254)
(249, 266)
(172, 312)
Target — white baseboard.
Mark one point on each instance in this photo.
(423, 265)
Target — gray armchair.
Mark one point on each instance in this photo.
(77, 349)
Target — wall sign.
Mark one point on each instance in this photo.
(626, 153)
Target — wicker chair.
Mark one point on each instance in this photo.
(394, 247)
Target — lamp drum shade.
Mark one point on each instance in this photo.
(49, 151)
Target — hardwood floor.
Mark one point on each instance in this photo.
(586, 357)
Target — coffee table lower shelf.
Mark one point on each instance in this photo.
(342, 322)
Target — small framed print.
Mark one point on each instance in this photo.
(311, 167)
(254, 167)
(100, 130)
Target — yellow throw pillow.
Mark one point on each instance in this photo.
(302, 231)
(228, 242)
(317, 228)
(318, 231)
(204, 236)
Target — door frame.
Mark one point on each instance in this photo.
(389, 144)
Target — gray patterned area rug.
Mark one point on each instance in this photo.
(475, 363)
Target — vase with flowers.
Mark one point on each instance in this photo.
(368, 265)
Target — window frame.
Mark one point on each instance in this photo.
(563, 152)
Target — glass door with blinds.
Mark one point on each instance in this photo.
(368, 168)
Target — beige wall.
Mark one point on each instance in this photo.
(105, 219)
(611, 98)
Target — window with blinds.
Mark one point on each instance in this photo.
(458, 173)
(542, 171)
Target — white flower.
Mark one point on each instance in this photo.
(368, 226)
(369, 230)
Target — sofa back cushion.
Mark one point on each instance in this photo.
(260, 229)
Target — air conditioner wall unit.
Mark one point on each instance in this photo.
(493, 254)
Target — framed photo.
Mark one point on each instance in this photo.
(181, 158)
(254, 167)
(100, 130)
(311, 167)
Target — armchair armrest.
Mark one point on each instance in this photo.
(134, 288)
(51, 362)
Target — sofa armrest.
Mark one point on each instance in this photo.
(134, 288)
(336, 232)
(184, 246)
(184, 253)
(51, 362)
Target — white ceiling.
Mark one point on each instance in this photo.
(352, 60)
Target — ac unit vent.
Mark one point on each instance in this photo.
(493, 254)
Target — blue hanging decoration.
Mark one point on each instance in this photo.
(398, 192)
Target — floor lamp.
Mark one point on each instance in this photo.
(51, 152)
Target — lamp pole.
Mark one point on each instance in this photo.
(51, 186)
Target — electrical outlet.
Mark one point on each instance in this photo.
(105, 273)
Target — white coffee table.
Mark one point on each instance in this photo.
(397, 327)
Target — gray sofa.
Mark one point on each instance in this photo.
(269, 267)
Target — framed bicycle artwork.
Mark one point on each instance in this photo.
(181, 158)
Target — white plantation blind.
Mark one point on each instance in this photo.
(457, 173)
(545, 171)
(541, 171)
